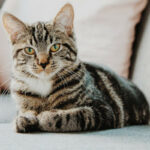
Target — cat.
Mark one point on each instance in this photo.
(56, 92)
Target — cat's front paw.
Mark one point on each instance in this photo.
(25, 124)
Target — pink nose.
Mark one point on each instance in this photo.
(42, 60)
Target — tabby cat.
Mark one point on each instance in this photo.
(57, 92)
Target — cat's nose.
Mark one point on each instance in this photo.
(42, 60)
(43, 65)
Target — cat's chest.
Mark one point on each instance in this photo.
(39, 86)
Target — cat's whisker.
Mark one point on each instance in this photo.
(5, 69)
(5, 66)
(62, 78)
(73, 73)
(4, 82)
(2, 72)
(5, 91)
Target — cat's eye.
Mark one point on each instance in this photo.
(55, 48)
(29, 51)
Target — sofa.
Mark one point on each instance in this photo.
(127, 138)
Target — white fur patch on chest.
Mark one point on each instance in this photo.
(39, 86)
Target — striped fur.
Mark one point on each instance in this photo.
(68, 95)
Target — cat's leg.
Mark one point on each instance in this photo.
(76, 119)
(26, 122)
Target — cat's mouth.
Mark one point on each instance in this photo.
(47, 71)
(43, 72)
(39, 70)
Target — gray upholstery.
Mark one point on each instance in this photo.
(129, 138)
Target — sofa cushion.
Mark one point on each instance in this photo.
(141, 69)
(129, 138)
(7, 109)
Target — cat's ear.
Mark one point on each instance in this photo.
(65, 18)
(13, 26)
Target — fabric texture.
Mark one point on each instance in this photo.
(104, 29)
(141, 71)
(8, 109)
(129, 138)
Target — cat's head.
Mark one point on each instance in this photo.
(42, 49)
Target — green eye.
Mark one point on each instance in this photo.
(55, 48)
(29, 51)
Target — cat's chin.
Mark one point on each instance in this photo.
(43, 75)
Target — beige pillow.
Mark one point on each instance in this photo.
(104, 29)
(106, 36)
